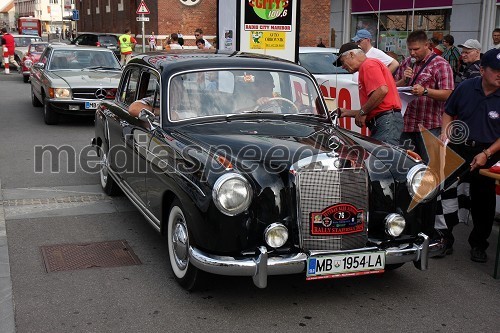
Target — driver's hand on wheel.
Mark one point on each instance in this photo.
(263, 100)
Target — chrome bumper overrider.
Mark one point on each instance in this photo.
(261, 266)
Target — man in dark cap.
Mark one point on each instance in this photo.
(476, 102)
(379, 98)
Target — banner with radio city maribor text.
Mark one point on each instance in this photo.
(269, 27)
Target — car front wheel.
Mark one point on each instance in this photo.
(108, 184)
(49, 116)
(34, 100)
(188, 276)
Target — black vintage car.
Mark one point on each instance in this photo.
(246, 173)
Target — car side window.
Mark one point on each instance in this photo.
(149, 90)
(130, 85)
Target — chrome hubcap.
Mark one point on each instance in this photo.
(104, 169)
(180, 244)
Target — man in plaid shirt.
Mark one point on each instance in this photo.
(431, 80)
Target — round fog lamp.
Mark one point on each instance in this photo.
(276, 235)
(394, 224)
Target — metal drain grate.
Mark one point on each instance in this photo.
(66, 257)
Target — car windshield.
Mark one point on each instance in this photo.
(230, 92)
(82, 60)
(26, 41)
(320, 63)
(38, 48)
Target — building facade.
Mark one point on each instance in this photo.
(183, 16)
(390, 21)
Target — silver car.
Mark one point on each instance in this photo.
(71, 79)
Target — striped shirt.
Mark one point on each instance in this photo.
(472, 70)
(424, 110)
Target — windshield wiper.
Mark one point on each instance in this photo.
(101, 67)
(258, 111)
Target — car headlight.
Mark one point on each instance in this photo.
(28, 63)
(422, 183)
(59, 93)
(394, 224)
(232, 194)
(276, 235)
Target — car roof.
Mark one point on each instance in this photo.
(196, 59)
(18, 35)
(63, 46)
(314, 49)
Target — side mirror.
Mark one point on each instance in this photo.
(39, 65)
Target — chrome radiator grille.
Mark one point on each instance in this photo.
(317, 190)
(85, 93)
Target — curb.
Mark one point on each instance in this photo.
(7, 321)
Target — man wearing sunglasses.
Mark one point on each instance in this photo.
(198, 34)
(380, 103)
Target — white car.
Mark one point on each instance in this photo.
(335, 82)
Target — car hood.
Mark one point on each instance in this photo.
(87, 78)
(272, 141)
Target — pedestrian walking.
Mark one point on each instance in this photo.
(152, 41)
(9, 43)
(364, 39)
(379, 98)
(476, 102)
(127, 44)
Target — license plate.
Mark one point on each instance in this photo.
(92, 105)
(342, 265)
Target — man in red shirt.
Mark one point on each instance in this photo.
(380, 102)
(8, 41)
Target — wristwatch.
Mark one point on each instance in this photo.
(426, 92)
(362, 112)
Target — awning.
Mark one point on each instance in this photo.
(370, 6)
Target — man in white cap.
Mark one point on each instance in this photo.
(471, 56)
(364, 39)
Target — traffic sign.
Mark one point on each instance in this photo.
(75, 15)
(142, 19)
(142, 9)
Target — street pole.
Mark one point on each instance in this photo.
(143, 37)
(62, 20)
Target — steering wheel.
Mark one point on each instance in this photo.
(278, 99)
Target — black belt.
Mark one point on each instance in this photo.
(373, 121)
(476, 144)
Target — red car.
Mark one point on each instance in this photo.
(34, 52)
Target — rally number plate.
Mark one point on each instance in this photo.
(342, 265)
(91, 105)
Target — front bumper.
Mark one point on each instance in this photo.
(72, 106)
(261, 265)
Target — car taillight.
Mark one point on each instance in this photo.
(97, 44)
(111, 93)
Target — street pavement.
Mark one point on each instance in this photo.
(38, 210)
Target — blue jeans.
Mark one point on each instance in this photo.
(387, 128)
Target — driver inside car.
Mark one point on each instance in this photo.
(256, 91)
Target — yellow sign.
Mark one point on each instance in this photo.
(267, 40)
